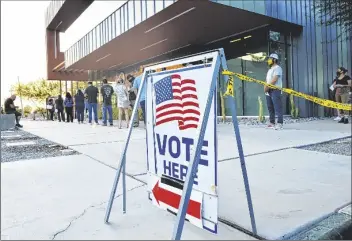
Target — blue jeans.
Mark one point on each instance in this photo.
(274, 104)
(107, 108)
(92, 107)
(142, 103)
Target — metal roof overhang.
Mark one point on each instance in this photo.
(68, 13)
(182, 24)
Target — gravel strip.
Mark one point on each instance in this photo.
(340, 147)
(253, 121)
(41, 149)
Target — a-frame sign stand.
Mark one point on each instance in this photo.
(220, 65)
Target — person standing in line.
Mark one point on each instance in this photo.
(132, 98)
(59, 104)
(107, 91)
(273, 96)
(52, 109)
(123, 104)
(10, 108)
(69, 107)
(86, 106)
(137, 85)
(91, 93)
(79, 103)
(342, 85)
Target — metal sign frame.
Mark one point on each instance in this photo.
(220, 64)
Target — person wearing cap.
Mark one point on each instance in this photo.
(342, 85)
(273, 96)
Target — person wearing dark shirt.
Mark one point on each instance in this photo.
(106, 92)
(10, 108)
(59, 104)
(69, 107)
(342, 84)
(91, 93)
(79, 102)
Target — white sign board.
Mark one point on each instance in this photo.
(175, 105)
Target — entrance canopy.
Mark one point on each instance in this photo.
(184, 23)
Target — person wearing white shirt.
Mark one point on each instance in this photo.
(273, 96)
(123, 103)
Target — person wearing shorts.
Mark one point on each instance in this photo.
(342, 85)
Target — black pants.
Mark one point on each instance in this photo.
(51, 115)
(60, 115)
(69, 114)
(17, 115)
(80, 114)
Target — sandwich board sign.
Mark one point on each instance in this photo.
(176, 101)
(181, 112)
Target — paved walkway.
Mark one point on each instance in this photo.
(65, 197)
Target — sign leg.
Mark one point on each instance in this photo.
(124, 187)
(240, 150)
(123, 156)
(193, 166)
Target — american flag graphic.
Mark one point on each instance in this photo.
(176, 100)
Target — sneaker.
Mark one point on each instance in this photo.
(270, 126)
(278, 126)
(111, 124)
(342, 120)
(104, 124)
(337, 118)
(18, 125)
(135, 125)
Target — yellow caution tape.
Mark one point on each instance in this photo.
(229, 89)
(319, 101)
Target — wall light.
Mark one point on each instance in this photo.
(236, 40)
(103, 57)
(249, 36)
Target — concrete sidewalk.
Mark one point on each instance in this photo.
(290, 187)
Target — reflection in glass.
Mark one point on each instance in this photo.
(150, 8)
(159, 5)
(130, 14)
(137, 11)
(118, 23)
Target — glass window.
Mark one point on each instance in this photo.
(117, 23)
(144, 10)
(168, 2)
(113, 26)
(159, 5)
(90, 42)
(108, 30)
(150, 8)
(125, 7)
(110, 27)
(122, 19)
(98, 36)
(137, 11)
(130, 14)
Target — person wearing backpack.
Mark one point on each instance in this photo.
(132, 97)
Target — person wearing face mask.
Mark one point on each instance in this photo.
(342, 85)
(273, 96)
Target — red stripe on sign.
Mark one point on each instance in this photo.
(173, 200)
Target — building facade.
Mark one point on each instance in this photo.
(142, 32)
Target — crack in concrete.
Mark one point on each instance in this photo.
(85, 211)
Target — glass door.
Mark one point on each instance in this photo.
(254, 66)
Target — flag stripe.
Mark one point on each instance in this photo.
(177, 101)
